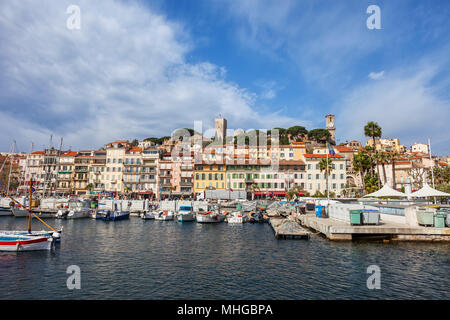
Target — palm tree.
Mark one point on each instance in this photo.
(382, 158)
(326, 165)
(253, 188)
(393, 156)
(373, 130)
(362, 163)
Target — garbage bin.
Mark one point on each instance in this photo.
(319, 211)
(370, 216)
(425, 218)
(447, 220)
(355, 217)
(439, 220)
(239, 207)
(324, 212)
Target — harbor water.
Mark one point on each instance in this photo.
(136, 259)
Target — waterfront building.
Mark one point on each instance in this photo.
(316, 180)
(66, 171)
(149, 178)
(264, 180)
(386, 145)
(49, 172)
(420, 148)
(34, 169)
(132, 170)
(81, 172)
(329, 119)
(97, 170)
(115, 153)
(209, 176)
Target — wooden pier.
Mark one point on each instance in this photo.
(288, 229)
(340, 230)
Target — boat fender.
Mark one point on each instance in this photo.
(17, 246)
(56, 235)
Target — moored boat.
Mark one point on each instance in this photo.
(185, 214)
(236, 217)
(209, 217)
(27, 242)
(165, 215)
(115, 215)
(147, 215)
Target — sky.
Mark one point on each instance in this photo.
(138, 69)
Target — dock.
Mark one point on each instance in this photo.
(339, 230)
(288, 229)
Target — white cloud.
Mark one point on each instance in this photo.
(376, 75)
(405, 105)
(123, 75)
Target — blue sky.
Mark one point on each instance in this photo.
(144, 68)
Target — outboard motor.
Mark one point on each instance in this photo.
(62, 214)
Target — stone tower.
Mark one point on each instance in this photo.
(330, 126)
(220, 126)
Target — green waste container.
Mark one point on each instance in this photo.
(439, 220)
(425, 218)
(355, 217)
(239, 207)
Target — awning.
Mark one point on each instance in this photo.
(386, 191)
(428, 191)
(269, 193)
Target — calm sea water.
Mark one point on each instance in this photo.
(135, 259)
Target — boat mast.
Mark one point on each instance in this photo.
(29, 206)
(11, 164)
(57, 167)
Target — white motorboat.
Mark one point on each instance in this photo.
(236, 217)
(185, 214)
(77, 209)
(164, 215)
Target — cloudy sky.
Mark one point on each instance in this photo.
(137, 69)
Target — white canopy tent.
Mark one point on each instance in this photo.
(428, 191)
(386, 191)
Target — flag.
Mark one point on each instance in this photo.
(331, 150)
(231, 190)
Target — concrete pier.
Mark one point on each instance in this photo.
(288, 229)
(340, 230)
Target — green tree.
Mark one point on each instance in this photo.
(373, 130)
(326, 166)
(319, 135)
(297, 130)
(135, 142)
(362, 164)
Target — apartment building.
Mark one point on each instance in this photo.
(316, 180)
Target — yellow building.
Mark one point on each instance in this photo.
(209, 176)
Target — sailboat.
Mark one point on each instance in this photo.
(28, 240)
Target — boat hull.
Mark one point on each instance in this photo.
(185, 217)
(116, 216)
(209, 218)
(147, 216)
(5, 212)
(25, 243)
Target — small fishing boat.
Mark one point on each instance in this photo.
(115, 215)
(164, 215)
(150, 215)
(98, 214)
(210, 216)
(28, 242)
(55, 234)
(5, 212)
(185, 214)
(236, 217)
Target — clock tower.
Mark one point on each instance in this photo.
(330, 126)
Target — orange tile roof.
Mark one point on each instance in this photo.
(69, 154)
(38, 152)
(312, 156)
(343, 149)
